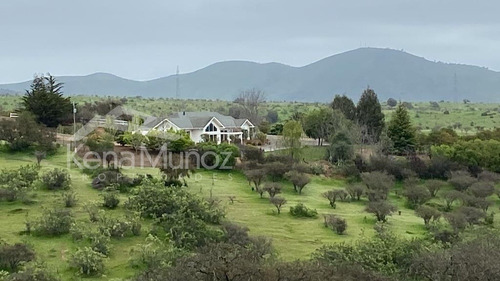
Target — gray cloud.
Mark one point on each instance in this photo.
(147, 39)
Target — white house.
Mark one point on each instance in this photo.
(204, 126)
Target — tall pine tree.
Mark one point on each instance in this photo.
(369, 115)
(401, 131)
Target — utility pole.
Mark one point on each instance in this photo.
(74, 126)
(177, 83)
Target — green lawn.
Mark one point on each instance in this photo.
(297, 238)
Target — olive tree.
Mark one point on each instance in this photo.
(381, 209)
(278, 202)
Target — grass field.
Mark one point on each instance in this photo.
(468, 117)
(423, 116)
(293, 238)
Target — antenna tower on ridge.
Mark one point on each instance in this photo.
(177, 83)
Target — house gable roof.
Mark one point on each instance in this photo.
(198, 120)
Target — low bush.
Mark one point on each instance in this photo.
(277, 170)
(53, 222)
(57, 179)
(87, 261)
(153, 200)
(12, 256)
(337, 224)
(221, 156)
(99, 243)
(32, 271)
(187, 231)
(69, 199)
(398, 168)
(78, 231)
(300, 210)
(110, 199)
(104, 178)
(252, 153)
(92, 210)
(118, 228)
(155, 253)
(15, 184)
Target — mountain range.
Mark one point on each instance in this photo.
(391, 73)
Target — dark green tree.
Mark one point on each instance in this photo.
(401, 131)
(392, 102)
(46, 102)
(341, 148)
(324, 123)
(345, 105)
(369, 115)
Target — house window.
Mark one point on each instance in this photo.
(211, 128)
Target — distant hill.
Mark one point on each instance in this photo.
(389, 72)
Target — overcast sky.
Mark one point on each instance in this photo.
(147, 39)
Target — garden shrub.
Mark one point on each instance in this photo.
(300, 210)
(219, 155)
(252, 153)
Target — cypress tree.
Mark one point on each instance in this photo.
(46, 102)
(401, 131)
(345, 105)
(369, 115)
